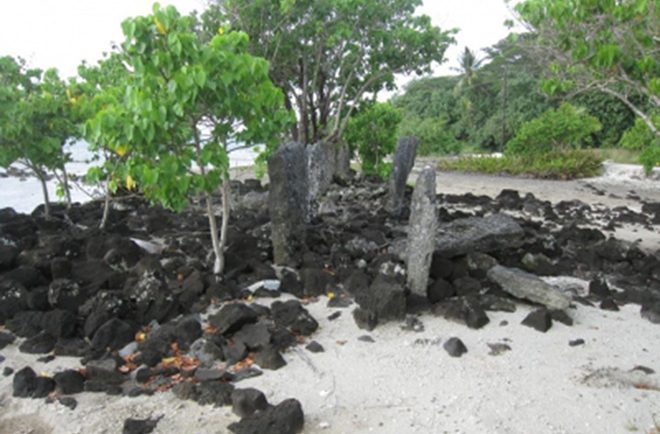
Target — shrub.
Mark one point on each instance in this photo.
(650, 157)
(567, 127)
(638, 137)
(641, 138)
(372, 132)
(433, 134)
(553, 165)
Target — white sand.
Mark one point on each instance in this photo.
(396, 385)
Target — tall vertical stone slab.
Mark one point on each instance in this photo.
(422, 229)
(321, 162)
(288, 202)
(404, 160)
(343, 163)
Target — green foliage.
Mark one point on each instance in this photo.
(639, 137)
(99, 100)
(372, 133)
(650, 157)
(614, 116)
(565, 128)
(607, 45)
(483, 107)
(36, 118)
(187, 102)
(569, 164)
(326, 55)
(433, 135)
(173, 104)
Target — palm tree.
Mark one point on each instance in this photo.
(467, 67)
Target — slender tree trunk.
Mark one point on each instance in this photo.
(218, 263)
(106, 209)
(44, 189)
(504, 102)
(226, 209)
(65, 184)
(294, 125)
(213, 224)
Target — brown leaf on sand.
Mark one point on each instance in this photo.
(243, 364)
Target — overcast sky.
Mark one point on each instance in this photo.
(61, 33)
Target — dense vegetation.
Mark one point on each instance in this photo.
(507, 94)
(164, 108)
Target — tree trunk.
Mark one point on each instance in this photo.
(67, 190)
(226, 209)
(44, 189)
(106, 209)
(213, 224)
(646, 118)
(294, 125)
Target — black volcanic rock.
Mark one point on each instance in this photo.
(540, 320)
(285, 418)
(232, 317)
(455, 347)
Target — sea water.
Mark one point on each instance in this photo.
(25, 194)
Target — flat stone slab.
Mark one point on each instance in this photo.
(478, 234)
(527, 286)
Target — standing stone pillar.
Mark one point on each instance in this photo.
(288, 202)
(343, 163)
(422, 229)
(404, 160)
(321, 162)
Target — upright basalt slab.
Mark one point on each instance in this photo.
(321, 166)
(404, 160)
(288, 202)
(422, 228)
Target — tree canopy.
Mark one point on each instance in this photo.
(184, 104)
(328, 55)
(606, 45)
(36, 120)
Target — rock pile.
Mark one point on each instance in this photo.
(139, 305)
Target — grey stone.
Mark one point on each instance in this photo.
(422, 227)
(540, 320)
(269, 358)
(248, 401)
(498, 348)
(404, 159)
(651, 312)
(343, 162)
(321, 162)
(539, 264)
(315, 347)
(480, 234)
(253, 201)
(206, 351)
(288, 202)
(529, 287)
(285, 418)
(576, 342)
(385, 299)
(455, 347)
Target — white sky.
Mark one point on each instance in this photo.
(61, 33)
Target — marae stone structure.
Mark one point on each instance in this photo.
(422, 229)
